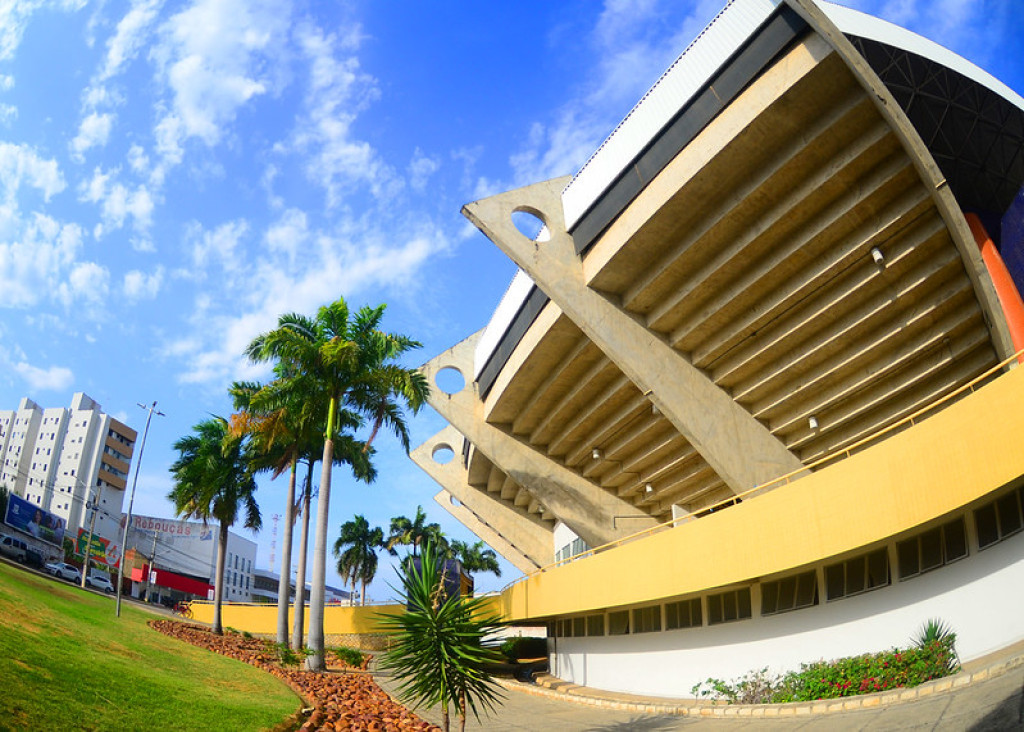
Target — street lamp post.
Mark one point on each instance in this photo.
(131, 502)
(94, 505)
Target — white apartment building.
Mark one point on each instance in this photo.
(60, 459)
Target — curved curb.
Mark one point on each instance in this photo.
(554, 688)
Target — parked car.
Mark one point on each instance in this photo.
(64, 571)
(34, 559)
(98, 581)
(13, 548)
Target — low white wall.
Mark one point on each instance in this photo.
(981, 597)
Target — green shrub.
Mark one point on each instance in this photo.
(865, 674)
(286, 656)
(524, 647)
(350, 656)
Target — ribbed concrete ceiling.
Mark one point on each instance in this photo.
(760, 271)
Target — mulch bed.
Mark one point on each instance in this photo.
(338, 700)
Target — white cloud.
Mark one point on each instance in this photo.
(139, 285)
(6, 82)
(117, 203)
(137, 159)
(213, 58)
(35, 259)
(87, 286)
(20, 165)
(54, 378)
(14, 18)
(132, 32)
(421, 168)
(93, 132)
(338, 91)
(289, 233)
(221, 246)
(349, 260)
(630, 50)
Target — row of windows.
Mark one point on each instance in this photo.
(111, 451)
(576, 546)
(916, 555)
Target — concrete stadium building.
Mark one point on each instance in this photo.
(753, 387)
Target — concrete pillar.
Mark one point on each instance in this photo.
(596, 515)
(469, 518)
(738, 447)
(524, 540)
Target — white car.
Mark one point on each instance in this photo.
(64, 571)
(98, 581)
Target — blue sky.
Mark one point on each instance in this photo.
(175, 175)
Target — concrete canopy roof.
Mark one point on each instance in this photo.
(796, 251)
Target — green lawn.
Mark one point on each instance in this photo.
(67, 662)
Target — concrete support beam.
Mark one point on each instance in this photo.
(525, 541)
(740, 449)
(468, 518)
(596, 515)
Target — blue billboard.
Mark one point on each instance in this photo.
(33, 520)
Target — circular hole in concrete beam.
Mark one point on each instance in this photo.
(442, 454)
(454, 501)
(530, 225)
(450, 380)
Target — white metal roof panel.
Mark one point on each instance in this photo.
(504, 314)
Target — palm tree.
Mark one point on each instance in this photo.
(283, 431)
(212, 480)
(356, 552)
(476, 557)
(415, 533)
(436, 646)
(347, 361)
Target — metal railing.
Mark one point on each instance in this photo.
(782, 480)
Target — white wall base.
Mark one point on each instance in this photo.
(981, 597)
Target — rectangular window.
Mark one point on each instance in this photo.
(728, 606)
(934, 548)
(579, 627)
(595, 625)
(647, 619)
(684, 614)
(618, 623)
(999, 519)
(789, 593)
(857, 575)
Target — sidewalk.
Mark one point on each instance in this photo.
(987, 695)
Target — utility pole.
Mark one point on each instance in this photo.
(152, 561)
(92, 527)
(131, 502)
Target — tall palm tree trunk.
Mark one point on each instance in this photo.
(362, 594)
(316, 661)
(286, 560)
(299, 622)
(218, 586)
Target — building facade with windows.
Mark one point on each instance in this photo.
(183, 556)
(63, 459)
(753, 398)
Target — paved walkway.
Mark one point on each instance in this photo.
(988, 695)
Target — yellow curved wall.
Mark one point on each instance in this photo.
(947, 461)
(262, 618)
(338, 619)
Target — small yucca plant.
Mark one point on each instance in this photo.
(437, 649)
(936, 630)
